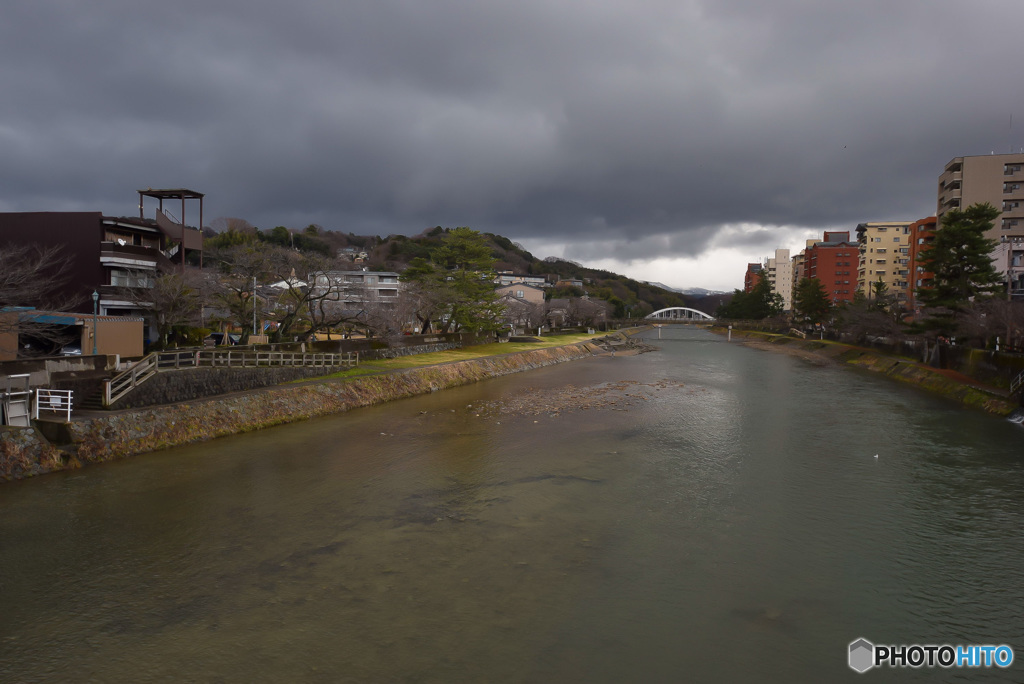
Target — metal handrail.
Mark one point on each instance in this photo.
(1016, 383)
(58, 401)
(159, 362)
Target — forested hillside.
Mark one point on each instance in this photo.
(629, 298)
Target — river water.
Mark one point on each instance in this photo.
(705, 512)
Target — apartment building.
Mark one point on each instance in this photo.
(503, 278)
(1008, 260)
(358, 288)
(779, 271)
(997, 179)
(834, 261)
(884, 255)
(754, 275)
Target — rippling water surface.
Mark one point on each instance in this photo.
(705, 512)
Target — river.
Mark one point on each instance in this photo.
(705, 512)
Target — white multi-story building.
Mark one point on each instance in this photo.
(779, 270)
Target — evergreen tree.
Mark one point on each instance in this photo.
(960, 260)
(755, 305)
(457, 284)
(811, 302)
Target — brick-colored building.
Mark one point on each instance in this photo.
(752, 277)
(834, 262)
(922, 233)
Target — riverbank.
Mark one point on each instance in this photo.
(950, 384)
(105, 436)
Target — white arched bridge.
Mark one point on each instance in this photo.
(678, 313)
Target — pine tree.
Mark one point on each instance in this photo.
(811, 301)
(960, 260)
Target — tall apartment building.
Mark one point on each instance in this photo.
(780, 274)
(884, 255)
(834, 262)
(997, 179)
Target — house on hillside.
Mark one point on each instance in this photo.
(509, 278)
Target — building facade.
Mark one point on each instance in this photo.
(997, 179)
(922, 233)
(884, 255)
(834, 262)
(1008, 260)
(752, 277)
(107, 255)
(779, 271)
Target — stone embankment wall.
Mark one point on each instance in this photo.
(126, 433)
(196, 383)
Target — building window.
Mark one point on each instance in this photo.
(122, 277)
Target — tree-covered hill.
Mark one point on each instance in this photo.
(628, 297)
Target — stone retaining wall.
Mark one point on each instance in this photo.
(126, 433)
(189, 384)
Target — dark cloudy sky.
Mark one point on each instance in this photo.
(672, 140)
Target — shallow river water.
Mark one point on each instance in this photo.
(705, 512)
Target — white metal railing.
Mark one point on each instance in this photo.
(15, 400)
(1016, 383)
(55, 401)
(159, 362)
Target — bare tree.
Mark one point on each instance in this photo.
(989, 319)
(388, 319)
(521, 314)
(34, 276)
(241, 268)
(169, 299)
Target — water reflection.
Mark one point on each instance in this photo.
(730, 524)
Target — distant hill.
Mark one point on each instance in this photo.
(694, 291)
(628, 297)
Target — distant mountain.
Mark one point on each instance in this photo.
(692, 291)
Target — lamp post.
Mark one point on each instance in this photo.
(95, 306)
(254, 305)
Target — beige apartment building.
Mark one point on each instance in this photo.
(780, 274)
(997, 179)
(884, 254)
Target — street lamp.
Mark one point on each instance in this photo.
(95, 305)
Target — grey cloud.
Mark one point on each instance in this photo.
(649, 125)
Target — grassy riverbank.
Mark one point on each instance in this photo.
(452, 355)
(950, 384)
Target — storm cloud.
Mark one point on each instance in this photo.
(626, 133)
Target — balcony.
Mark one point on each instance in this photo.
(132, 256)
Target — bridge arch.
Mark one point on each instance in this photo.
(678, 313)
